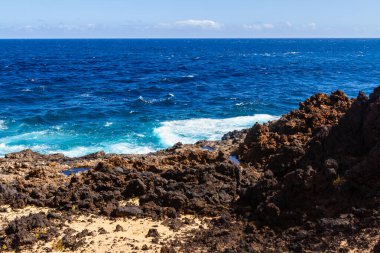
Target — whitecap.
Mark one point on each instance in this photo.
(107, 124)
(291, 53)
(191, 130)
(3, 125)
(189, 76)
(244, 103)
(24, 136)
(6, 148)
(117, 148)
(76, 151)
(128, 148)
(167, 98)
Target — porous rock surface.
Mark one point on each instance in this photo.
(307, 182)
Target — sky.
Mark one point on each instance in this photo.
(189, 18)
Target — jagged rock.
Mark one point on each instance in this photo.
(27, 230)
(153, 233)
(304, 182)
(128, 211)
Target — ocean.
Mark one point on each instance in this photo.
(140, 95)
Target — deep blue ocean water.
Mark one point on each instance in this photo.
(135, 96)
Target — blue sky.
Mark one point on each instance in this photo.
(188, 18)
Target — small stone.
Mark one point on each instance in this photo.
(128, 211)
(102, 231)
(119, 169)
(119, 228)
(153, 233)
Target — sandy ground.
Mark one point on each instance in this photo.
(133, 238)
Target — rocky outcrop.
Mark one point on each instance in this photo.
(25, 231)
(328, 176)
(279, 145)
(306, 182)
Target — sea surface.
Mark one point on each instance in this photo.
(137, 96)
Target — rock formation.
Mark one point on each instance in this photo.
(308, 182)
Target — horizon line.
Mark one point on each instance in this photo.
(178, 38)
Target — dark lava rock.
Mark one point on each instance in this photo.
(128, 211)
(376, 249)
(305, 182)
(102, 231)
(135, 188)
(74, 241)
(167, 249)
(119, 228)
(27, 230)
(153, 233)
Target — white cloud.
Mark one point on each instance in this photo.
(312, 26)
(288, 24)
(268, 26)
(259, 27)
(253, 27)
(202, 24)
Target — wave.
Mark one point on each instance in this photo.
(188, 76)
(127, 148)
(3, 125)
(55, 140)
(6, 148)
(167, 98)
(192, 130)
(292, 53)
(179, 79)
(108, 124)
(78, 151)
(25, 136)
(116, 148)
(274, 54)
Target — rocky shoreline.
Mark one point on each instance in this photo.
(308, 182)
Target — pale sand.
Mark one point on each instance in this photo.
(132, 239)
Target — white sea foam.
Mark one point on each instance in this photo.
(189, 76)
(117, 148)
(76, 151)
(127, 148)
(5, 148)
(44, 149)
(168, 97)
(192, 130)
(3, 125)
(25, 136)
(291, 53)
(170, 132)
(107, 124)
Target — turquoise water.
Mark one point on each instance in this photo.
(137, 96)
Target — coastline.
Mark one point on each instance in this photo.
(304, 182)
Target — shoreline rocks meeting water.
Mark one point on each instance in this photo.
(307, 182)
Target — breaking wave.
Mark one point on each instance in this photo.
(192, 130)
